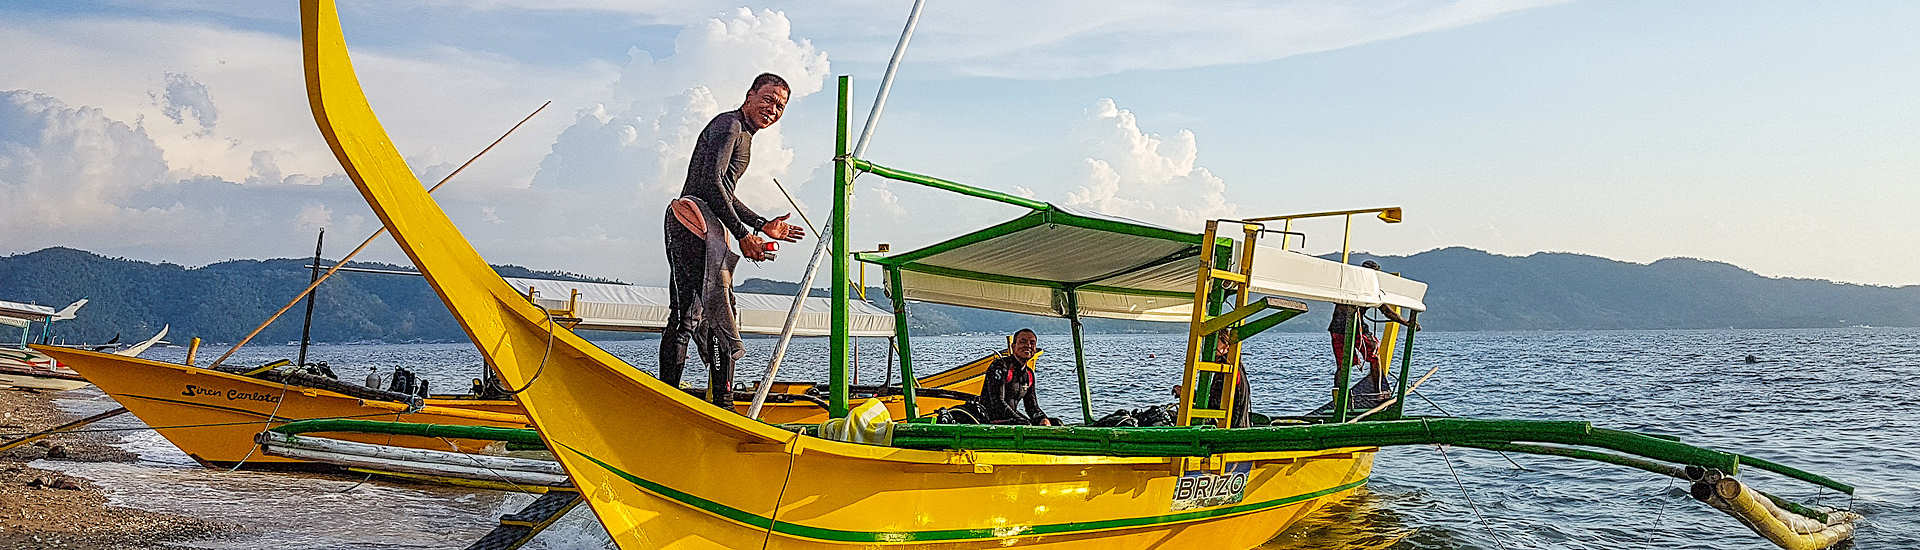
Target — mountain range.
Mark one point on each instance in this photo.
(1470, 290)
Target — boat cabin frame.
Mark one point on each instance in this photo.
(1145, 272)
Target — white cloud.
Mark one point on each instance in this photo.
(629, 152)
(185, 97)
(1132, 173)
(1070, 39)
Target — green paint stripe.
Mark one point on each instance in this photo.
(838, 535)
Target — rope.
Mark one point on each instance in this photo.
(1470, 504)
(1661, 519)
(774, 517)
(543, 356)
(1436, 406)
(185, 426)
(267, 424)
(369, 476)
(483, 466)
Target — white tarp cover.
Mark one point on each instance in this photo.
(16, 314)
(606, 306)
(1104, 261)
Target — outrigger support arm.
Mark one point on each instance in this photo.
(1418, 431)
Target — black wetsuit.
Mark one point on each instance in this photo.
(1007, 395)
(1343, 317)
(720, 157)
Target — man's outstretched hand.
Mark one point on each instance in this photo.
(754, 248)
(778, 228)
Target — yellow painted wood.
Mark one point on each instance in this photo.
(1225, 275)
(662, 469)
(1389, 336)
(219, 412)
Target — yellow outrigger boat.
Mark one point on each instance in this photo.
(212, 415)
(662, 469)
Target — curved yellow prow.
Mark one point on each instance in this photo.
(517, 338)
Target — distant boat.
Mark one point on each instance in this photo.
(23, 367)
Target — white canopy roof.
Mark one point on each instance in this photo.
(607, 306)
(1116, 268)
(16, 314)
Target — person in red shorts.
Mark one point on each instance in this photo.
(1374, 387)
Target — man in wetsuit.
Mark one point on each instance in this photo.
(720, 157)
(1007, 395)
(1374, 386)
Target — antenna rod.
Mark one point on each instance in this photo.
(886, 80)
(363, 244)
(820, 248)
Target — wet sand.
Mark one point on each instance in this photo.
(46, 509)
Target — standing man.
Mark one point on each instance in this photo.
(1374, 386)
(698, 277)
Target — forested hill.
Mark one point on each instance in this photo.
(1471, 290)
(221, 302)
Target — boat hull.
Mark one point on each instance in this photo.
(212, 415)
(662, 469)
(26, 368)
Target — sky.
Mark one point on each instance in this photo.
(1780, 137)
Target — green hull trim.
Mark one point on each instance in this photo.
(838, 535)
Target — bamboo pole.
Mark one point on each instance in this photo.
(842, 199)
(117, 411)
(793, 311)
(937, 183)
(886, 79)
(1079, 354)
(907, 381)
(363, 244)
(306, 326)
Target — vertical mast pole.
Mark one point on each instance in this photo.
(895, 288)
(1341, 394)
(1406, 361)
(837, 225)
(1079, 354)
(306, 326)
(813, 263)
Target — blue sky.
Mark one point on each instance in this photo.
(1778, 137)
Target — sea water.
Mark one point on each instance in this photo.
(1839, 402)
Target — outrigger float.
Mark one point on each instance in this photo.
(663, 469)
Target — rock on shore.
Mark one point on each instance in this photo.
(45, 509)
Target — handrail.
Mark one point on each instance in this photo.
(1389, 214)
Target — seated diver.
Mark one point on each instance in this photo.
(1008, 396)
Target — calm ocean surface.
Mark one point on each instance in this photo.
(1840, 402)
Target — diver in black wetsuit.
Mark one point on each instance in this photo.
(720, 157)
(1007, 396)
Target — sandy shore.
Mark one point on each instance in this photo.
(45, 509)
